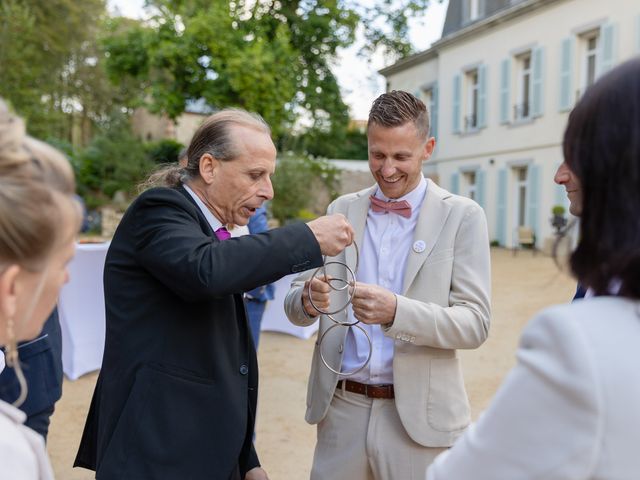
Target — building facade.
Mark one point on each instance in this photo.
(151, 127)
(500, 84)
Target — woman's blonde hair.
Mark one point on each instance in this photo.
(36, 202)
(36, 189)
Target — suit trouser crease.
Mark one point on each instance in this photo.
(362, 438)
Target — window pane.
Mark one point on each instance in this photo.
(591, 70)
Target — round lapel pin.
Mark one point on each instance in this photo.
(419, 246)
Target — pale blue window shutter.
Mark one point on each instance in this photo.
(608, 48)
(501, 217)
(537, 92)
(565, 74)
(482, 96)
(434, 111)
(480, 187)
(457, 87)
(533, 190)
(505, 96)
(455, 183)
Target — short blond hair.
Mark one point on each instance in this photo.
(396, 108)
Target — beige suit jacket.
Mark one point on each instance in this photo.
(445, 305)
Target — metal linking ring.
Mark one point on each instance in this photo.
(324, 360)
(338, 285)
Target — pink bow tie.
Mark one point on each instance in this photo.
(402, 208)
(223, 234)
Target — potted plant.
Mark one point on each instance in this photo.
(558, 220)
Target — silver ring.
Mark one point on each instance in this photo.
(346, 282)
(346, 285)
(337, 285)
(324, 360)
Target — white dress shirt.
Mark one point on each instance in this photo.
(213, 221)
(388, 238)
(236, 231)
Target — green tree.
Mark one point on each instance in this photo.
(164, 151)
(52, 67)
(273, 57)
(301, 183)
(114, 160)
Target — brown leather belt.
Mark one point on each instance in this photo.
(371, 391)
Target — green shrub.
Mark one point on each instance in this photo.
(297, 182)
(164, 151)
(558, 210)
(114, 160)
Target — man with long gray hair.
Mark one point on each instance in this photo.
(176, 396)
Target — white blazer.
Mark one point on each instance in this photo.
(569, 410)
(444, 306)
(22, 451)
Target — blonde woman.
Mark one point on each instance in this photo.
(38, 223)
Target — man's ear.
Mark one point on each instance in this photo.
(208, 167)
(9, 291)
(429, 147)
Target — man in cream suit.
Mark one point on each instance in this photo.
(423, 288)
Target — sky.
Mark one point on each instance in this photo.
(359, 79)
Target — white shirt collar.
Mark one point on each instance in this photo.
(211, 219)
(2, 362)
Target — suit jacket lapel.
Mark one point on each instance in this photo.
(203, 220)
(433, 214)
(357, 215)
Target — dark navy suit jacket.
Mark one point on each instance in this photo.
(41, 361)
(580, 292)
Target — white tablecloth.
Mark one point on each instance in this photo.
(82, 314)
(275, 319)
(81, 309)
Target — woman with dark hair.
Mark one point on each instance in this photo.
(569, 409)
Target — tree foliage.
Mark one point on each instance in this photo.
(114, 160)
(300, 183)
(269, 56)
(51, 66)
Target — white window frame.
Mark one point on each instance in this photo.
(520, 192)
(522, 109)
(473, 9)
(471, 184)
(586, 55)
(427, 97)
(472, 87)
